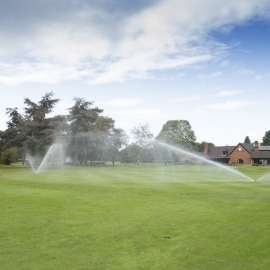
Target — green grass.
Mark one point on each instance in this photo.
(134, 217)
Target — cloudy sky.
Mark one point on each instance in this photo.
(143, 61)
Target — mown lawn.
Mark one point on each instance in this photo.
(134, 217)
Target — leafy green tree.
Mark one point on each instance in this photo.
(177, 132)
(143, 139)
(130, 153)
(11, 138)
(14, 135)
(103, 128)
(199, 147)
(266, 139)
(117, 138)
(9, 155)
(247, 140)
(110, 139)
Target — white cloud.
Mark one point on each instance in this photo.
(245, 72)
(102, 46)
(226, 93)
(187, 98)
(230, 105)
(224, 63)
(259, 77)
(40, 72)
(209, 76)
(124, 102)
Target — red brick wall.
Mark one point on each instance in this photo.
(240, 154)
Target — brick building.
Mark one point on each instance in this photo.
(243, 153)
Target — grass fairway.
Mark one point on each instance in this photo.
(134, 217)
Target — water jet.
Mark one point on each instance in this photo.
(55, 155)
(193, 155)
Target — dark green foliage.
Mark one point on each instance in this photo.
(116, 139)
(130, 153)
(177, 132)
(247, 140)
(199, 147)
(9, 155)
(33, 130)
(82, 131)
(266, 139)
(87, 135)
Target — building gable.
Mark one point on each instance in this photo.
(241, 155)
(248, 147)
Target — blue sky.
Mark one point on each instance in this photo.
(143, 61)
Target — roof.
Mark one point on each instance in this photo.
(264, 148)
(217, 151)
(247, 146)
(260, 154)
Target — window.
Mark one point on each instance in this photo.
(224, 153)
(240, 161)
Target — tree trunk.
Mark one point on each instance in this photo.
(76, 159)
(85, 160)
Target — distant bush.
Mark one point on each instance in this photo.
(9, 155)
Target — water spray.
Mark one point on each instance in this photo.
(54, 153)
(204, 159)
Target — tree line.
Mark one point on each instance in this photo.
(87, 135)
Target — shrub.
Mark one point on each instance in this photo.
(9, 155)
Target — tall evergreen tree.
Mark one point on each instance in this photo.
(82, 119)
(31, 126)
(266, 139)
(247, 140)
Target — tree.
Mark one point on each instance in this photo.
(130, 153)
(82, 119)
(142, 138)
(200, 146)
(9, 155)
(14, 136)
(11, 138)
(116, 140)
(103, 128)
(266, 139)
(32, 124)
(111, 139)
(247, 140)
(177, 132)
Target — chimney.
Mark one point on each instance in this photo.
(205, 147)
(256, 148)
